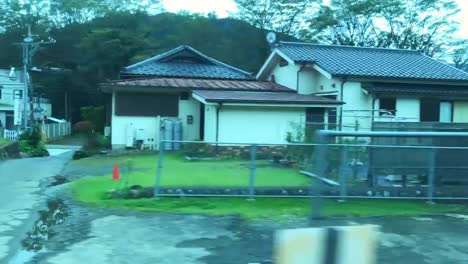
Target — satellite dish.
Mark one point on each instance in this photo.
(271, 37)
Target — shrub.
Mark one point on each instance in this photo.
(33, 136)
(97, 141)
(83, 127)
(37, 151)
(80, 154)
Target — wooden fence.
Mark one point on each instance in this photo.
(10, 134)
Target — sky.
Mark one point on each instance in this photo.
(223, 7)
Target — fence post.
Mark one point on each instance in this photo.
(253, 154)
(431, 175)
(343, 166)
(320, 170)
(157, 187)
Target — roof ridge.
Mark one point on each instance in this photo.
(350, 47)
(182, 47)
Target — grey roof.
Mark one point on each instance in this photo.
(416, 89)
(198, 84)
(263, 97)
(184, 61)
(347, 61)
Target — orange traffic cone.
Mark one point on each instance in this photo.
(116, 173)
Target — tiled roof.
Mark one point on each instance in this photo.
(199, 84)
(263, 97)
(187, 62)
(416, 89)
(372, 62)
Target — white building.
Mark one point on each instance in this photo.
(213, 102)
(11, 89)
(378, 86)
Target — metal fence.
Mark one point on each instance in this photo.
(330, 167)
(56, 130)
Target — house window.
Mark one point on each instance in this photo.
(429, 110)
(387, 106)
(141, 104)
(18, 94)
(184, 96)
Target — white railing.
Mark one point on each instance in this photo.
(10, 134)
(56, 130)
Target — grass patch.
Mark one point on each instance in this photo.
(261, 208)
(3, 142)
(179, 172)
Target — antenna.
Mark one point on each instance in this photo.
(271, 38)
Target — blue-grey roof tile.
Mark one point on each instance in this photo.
(372, 62)
(186, 62)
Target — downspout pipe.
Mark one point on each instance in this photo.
(343, 81)
(297, 78)
(218, 108)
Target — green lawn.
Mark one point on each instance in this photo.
(179, 172)
(92, 190)
(3, 142)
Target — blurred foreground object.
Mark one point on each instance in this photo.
(328, 245)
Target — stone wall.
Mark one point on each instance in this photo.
(10, 151)
(382, 192)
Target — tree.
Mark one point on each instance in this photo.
(346, 22)
(460, 57)
(282, 16)
(425, 25)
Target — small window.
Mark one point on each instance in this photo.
(387, 106)
(184, 96)
(18, 94)
(283, 63)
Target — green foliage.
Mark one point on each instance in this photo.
(32, 136)
(389, 23)
(95, 115)
(33, 151)
(31, 142)
(80, 154)
(96, 141)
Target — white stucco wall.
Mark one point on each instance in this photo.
(150, 126)
(460, 112)
(357, 108)
(286, 75)
(186, 108)
(256, 124)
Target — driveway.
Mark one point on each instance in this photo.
(21, 184)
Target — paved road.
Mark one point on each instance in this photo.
(21, 196)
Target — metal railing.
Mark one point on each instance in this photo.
(321, 169)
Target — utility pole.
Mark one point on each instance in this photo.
(29, 49)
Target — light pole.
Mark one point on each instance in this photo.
(29, 48)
